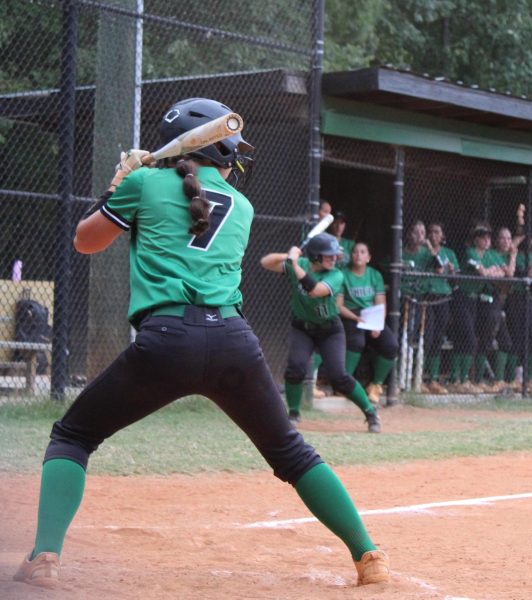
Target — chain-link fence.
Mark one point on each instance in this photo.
(82, 80)
(449, 234)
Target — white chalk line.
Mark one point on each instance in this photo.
(412, 508)
(427, 507)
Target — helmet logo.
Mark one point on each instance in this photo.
(172, 115)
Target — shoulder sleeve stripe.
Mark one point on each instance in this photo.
(115, 218)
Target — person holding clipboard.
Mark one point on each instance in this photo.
(363, 290)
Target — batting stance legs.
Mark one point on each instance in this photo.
(165, 362)
(329, 338)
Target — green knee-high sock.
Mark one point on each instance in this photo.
(511, 367)
(294, 394)
(433, 367)
(456, 368)
(317, 360)
(328, 500)
(351, 361)
(480, 367)
(467, 361)
(360, 398)
(501, 358)
(381, 369)
(62, 485)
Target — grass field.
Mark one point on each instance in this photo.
(193, 436)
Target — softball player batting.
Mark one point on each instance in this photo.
(190, 230)
(315, 283)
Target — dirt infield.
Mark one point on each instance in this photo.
(234, 536)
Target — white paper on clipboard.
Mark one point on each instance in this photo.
(373, 318)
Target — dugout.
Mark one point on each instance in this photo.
(400, 146)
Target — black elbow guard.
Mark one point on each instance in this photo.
(308, 283)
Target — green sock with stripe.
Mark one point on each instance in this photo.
(433, 367)
(456, 368)
(480, 367)
(62, 485)
(360, 398)
(467, 361)
(351, 361)
(294, 395)
(501, 358)
(381, 369)
(327, 499)
(511, 367)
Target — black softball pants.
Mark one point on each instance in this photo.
(475, 323)
(170, 359)
(437, 322)
(357, 339)
(329, 339)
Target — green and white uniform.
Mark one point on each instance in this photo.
(314, 310)
(168, 264)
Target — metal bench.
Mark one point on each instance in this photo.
(29, 351)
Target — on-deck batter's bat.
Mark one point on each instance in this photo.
(420, 356)
(404, 346)
(320, 227)
(199, 137)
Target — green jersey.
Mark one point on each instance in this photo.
(360, 290)
(444, 258)
(347, 247)
(469, 267)
(416, 261)
(168, 265)
(314, 310)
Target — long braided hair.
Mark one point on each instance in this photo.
(199, 205)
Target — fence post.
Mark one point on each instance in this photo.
(63, 248)
(315, 107)
(528, 302)
(394, 312)
(116, 127)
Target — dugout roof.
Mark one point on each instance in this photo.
(387, 105)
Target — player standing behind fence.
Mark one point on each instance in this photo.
(185, 270)
(364, 287)
(476, 312)
(439, 293)
(315, 283)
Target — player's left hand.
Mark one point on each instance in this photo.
(294, 253)
(375, 334)
(131, 160)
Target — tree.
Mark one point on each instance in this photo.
(482, 42)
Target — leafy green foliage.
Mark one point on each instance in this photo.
(480, 42)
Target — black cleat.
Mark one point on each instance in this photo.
(294, 416)
(373, 421)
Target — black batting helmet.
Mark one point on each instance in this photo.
(323, 244)
(190, 113)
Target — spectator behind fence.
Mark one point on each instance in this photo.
(516, 306)
(337, 229)
(476, 311)
(439, 294)
(364, 287)
(316, 323)
(505, 357)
